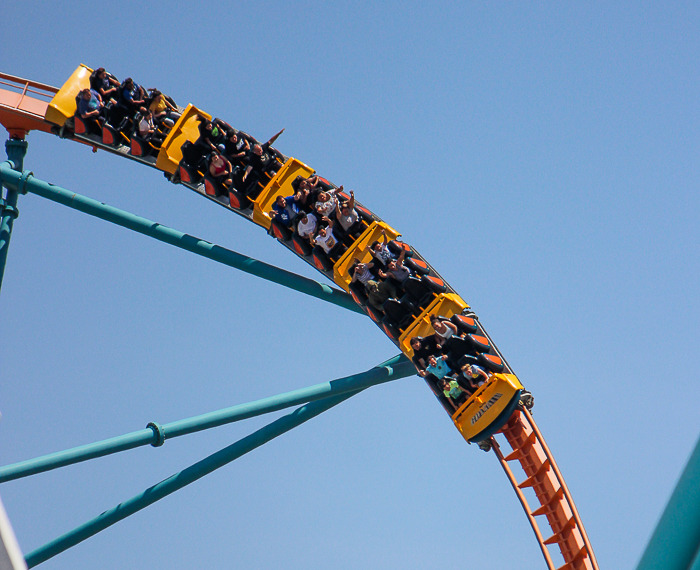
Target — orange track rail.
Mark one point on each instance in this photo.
(555, 502)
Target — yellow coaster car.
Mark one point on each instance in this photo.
(487, 411)
(63, 106)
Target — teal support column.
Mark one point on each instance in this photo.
(16, 151)
(183, 478)
(26, 183)
(155, 434)
(696, 563)
(676, 540)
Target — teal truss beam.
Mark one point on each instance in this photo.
(16, 150)
(676, 541)
(155, 434)
(25, 182)
(183, 478)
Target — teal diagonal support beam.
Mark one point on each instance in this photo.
(14, 181)
(183, 478)
(393, 369)
(16, 150)
(676, 540)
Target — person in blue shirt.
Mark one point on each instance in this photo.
(474, 374)
(133, 95)
(89, 104)
(437, 367)
(285, 209)
(90, 110)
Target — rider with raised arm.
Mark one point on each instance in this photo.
(380, 250)
(361, 272)
(327, 201)
(325, 238)
(285, 210)
(348, 218)
(437, 366)
(396, 269)
(262, 157)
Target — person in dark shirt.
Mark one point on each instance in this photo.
(237, 145)
(422, 349)
(306, 190)
(262, 158)
(133, 96)
(379, 292)
(104, 83)
(210, 134)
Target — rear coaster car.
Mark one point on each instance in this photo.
(488, 410)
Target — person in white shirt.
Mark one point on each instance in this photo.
(361, 272)
(147, 130)
(380, 250)
(327, 202)
(307, 226)
(325, 238)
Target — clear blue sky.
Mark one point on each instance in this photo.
(544, 159)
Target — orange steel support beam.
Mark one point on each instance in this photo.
(555, 502)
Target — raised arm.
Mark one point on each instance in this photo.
(402, 255)
(351, 202)
(274, 138)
